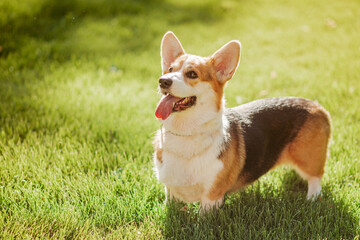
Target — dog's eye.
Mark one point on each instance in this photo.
(191, 74)
(170, 69)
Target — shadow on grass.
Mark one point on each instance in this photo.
(266, 214)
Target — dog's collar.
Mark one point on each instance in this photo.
(175, 134)
(179, 135)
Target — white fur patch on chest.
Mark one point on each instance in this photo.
(190, 164)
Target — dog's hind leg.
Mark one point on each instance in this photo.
(308, 151)
(314, 188)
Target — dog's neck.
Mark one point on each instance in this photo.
(188, 144)
(202, 120)
(193, 126)
(217, 127)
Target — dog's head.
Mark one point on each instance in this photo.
(191, 84)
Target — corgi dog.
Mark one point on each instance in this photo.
(204, 150)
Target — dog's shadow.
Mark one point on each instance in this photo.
(262, 212)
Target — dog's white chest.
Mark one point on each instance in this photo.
(189, 168)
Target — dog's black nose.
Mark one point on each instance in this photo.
(165, 83)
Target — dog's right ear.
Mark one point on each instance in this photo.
(171, 49)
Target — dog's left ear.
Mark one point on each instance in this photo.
(226, 60)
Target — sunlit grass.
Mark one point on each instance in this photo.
(77, 96)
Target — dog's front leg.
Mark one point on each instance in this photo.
(208, 204)
(168, 195)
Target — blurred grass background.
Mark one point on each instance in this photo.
(77, 97)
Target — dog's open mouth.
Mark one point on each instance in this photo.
(184, 103)
(170, 103)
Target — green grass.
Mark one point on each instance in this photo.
(77, 97)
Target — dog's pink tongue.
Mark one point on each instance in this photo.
(165, 106)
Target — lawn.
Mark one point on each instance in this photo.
(78, 83)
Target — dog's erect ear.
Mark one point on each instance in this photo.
(226, 60)
(170, 50)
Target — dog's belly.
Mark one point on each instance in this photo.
(191, 193)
